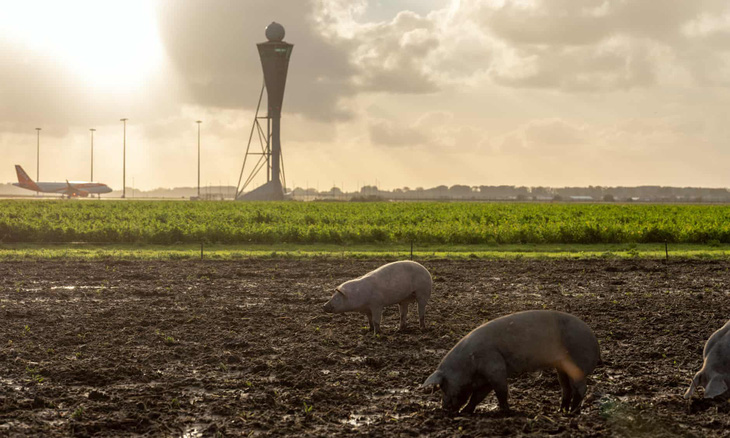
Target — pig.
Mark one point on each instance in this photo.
(714, 376)
(533, 340)
(401, 283)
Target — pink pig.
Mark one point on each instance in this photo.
(399, 283)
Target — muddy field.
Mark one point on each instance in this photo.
(186, 348)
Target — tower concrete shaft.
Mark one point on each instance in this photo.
(274, 54)
(275, 63)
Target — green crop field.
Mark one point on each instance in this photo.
(427, 223)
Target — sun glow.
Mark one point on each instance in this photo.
(454, 8)
(111, 45)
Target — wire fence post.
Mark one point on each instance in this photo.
(411, 250)
(201, 250)
(666, 250)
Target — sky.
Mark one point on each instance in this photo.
(398, 93)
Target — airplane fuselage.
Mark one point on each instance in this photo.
(62, 187)
(68, 188)
(56, 187)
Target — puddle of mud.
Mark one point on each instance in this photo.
(252, 302)
(85, 287)
(358, 420)
(195, 430)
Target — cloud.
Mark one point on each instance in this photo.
(38, 91)
(391, 56)
(435, 131)
(392, 134)
(599, 45)
(616, 64)
(554, 132)
(594, 46)
(658, 137)
(212, 44)
(554, 137)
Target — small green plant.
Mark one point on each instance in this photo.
(78, 414)
(169, 340)
(307, 408)
(34, 375)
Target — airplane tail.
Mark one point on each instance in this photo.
(24, 180)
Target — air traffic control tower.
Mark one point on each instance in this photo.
(274, 56)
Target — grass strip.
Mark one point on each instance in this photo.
(231, 252)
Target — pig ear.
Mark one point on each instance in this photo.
(338, 290)
(433, 380)
(715, 387)
(692, 387)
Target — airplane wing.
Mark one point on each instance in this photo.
(74, 191)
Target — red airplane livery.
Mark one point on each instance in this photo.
(68, 188)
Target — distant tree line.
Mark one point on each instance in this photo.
(523, 193)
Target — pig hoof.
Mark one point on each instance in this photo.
(508, 412)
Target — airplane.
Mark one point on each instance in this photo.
(69, 188)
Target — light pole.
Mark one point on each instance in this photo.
(92, 153)
(198, 122)
(38, 154)
(124, 160)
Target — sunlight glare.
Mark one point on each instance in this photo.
(111, 45)
(454, 8)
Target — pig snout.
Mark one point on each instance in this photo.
(450, 406)
(328, 308)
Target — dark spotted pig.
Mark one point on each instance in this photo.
(714, 376)
(484, 359)
(399, 283)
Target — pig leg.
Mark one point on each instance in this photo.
(377, 315)
(422, 313)
(497, 378)
(477, 395)
(502, 393)
(369, 314)
(493, 368)
(403, 314)
(579, 391)
(567, 391)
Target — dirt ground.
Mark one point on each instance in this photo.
(191, 348)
